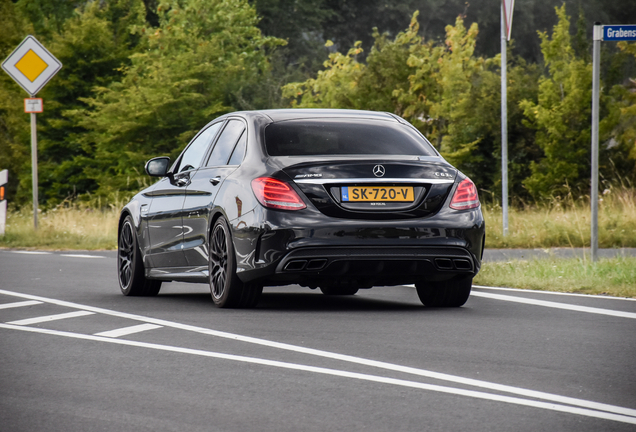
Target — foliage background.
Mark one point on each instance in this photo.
(140, 77)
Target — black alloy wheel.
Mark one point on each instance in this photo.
(449, 293)
(226, 288)
(130, 268)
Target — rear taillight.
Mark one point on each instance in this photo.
(465, 196)
(276, 194)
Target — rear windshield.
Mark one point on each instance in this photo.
(344, 137)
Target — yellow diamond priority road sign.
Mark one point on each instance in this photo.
(31, 65)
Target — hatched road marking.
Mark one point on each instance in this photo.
(547, 401)
(19, 304)
(47, 318)
(353, 375)
(128, 330)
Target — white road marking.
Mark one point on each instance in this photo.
(31, 252)
(344, 374)
(125, 331)
(47, 318)
(81, 256)
(19, 304)
(346, 358)
(556, 305)
(554, 293)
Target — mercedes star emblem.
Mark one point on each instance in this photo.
(378, 171)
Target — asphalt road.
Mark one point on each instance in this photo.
(76, 355)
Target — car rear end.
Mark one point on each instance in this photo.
(359, 202)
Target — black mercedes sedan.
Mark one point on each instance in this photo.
(338, 200)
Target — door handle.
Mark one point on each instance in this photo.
(215, 180)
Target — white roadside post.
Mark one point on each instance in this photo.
(615, 32)
(32, 66)
(4, 179)
(506, 26)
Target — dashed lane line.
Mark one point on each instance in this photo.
(346, 358)
(48, 318)
(590, 296)
(344, 374)
(62, 255)
(32, 252)
(19, 304)
(125, 331)
(81, 256)
(555, 305)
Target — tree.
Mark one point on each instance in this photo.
(14, 124)
(300, 24)
(93, 46)
(449, 94)
(618, 129)
(197, 64)
(334, 87)
(561, 117)
(347, 83)
(457, 77)
(47, 16)
(92, 42)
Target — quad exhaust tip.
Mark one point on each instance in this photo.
(453, 264)
(318, 264)
(307, 265)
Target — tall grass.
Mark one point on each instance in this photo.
(63, 227)
(559, 223)
(565, 223)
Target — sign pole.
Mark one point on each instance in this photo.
(612, 32)
(34, 168)
(596, 77)
(34, 106)
(31, 65)
(504, 123)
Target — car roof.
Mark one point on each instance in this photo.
(307, 113)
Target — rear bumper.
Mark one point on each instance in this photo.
(364, 267)
(363, 253)
(325, 259)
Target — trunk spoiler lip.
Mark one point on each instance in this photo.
(373, 180)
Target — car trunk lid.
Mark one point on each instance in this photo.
(374, 188)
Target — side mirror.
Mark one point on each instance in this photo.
(158, 167)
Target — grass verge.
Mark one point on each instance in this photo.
(560, 223)
(614, 277)
(61, 229)
(564, 223)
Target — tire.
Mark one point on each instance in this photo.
(450, 293)
(226, 288)
(335, 291)
(130, 266)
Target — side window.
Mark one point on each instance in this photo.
(225, 143)
(239, 151)
(194, 153)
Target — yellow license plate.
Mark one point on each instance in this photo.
(377, 194)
